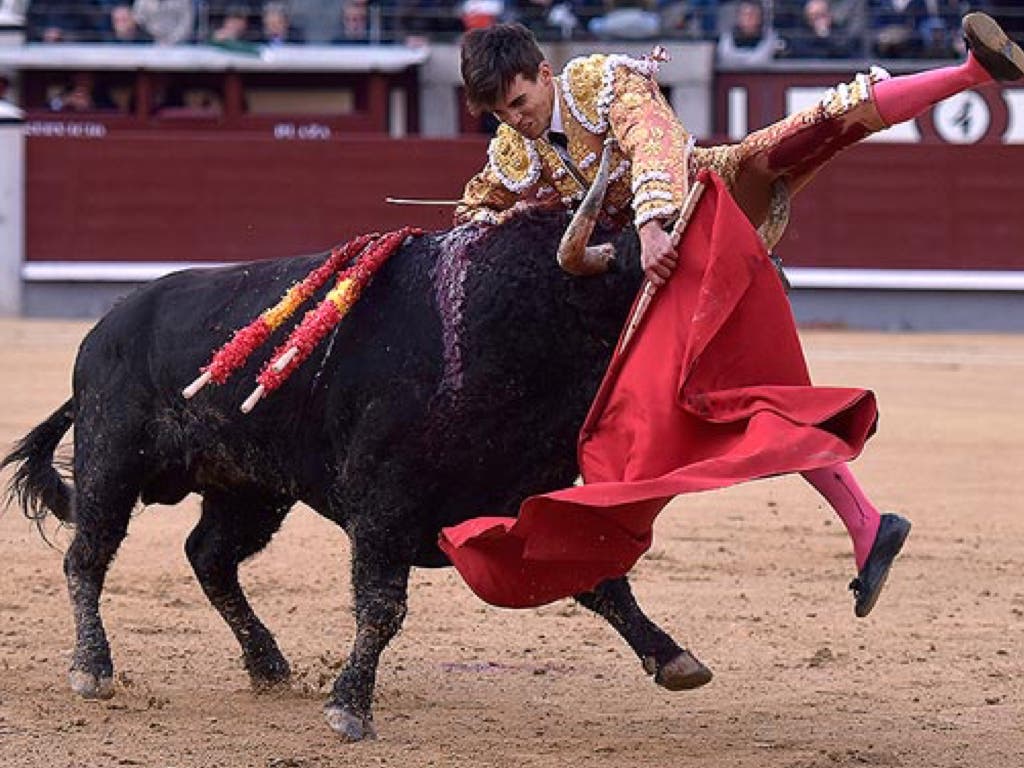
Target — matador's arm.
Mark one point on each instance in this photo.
(485, 199)
(655, 141)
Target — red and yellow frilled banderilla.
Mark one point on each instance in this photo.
(369, 252)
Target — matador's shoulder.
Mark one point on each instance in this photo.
(589, 85)
(514, 159)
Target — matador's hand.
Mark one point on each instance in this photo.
(657, 256)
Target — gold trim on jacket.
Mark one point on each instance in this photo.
(599, 94)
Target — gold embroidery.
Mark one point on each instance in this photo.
(850, 107)
(650, 137)
(723, 160)
(585, 76)
(514, 159)
(654, 139)
(632, 100)
(553, 172)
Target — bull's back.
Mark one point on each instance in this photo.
(163, 333)
(141, 355)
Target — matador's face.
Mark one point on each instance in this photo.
(528, 104)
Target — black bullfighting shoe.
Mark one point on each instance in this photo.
(892, 532)
(998, 54)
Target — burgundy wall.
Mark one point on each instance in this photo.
(158, 196)
(912, 206)
(170, 196)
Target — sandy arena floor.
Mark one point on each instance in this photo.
(752, 578)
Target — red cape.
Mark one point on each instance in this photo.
(712, 390)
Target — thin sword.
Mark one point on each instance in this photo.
(419, 201)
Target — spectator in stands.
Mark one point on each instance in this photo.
(123, 26)
(233, 26)
(324, 21)
(627, 20)
(939, 29)
(363, 21)
(168, 22)
(476, 14)
(277, 26)
(750, 41)
(893, 26)
(63, 21)
(584, 12)
(355, 22)
(533, 14)
(693, 19)
(82, 94)
(818, 36)
(47, 21)
(551, 20)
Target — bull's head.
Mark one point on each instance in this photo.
(574, 255)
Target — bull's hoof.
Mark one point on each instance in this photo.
(349, 726)
(89, 686)
(269, 674)
(684, 672)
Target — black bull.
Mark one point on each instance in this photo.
(454, 388)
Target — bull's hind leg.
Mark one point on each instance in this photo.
(380, 586)
(673, 667)
(103, 508)
(232, 528)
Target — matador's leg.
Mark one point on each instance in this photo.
(794, 149)
(789, 153)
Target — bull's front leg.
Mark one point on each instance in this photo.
(673, 667)
(381, 588)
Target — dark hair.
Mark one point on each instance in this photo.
(492, 57)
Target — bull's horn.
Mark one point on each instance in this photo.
(573, 254)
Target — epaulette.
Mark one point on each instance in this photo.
(588, 86)
(514, 159)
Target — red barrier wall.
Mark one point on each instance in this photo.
(160, 196)
(155, 196)
(912, 206)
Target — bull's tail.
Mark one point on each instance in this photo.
(37, 485)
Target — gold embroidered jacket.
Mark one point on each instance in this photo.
(599, 95)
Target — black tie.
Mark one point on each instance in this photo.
(560, 143)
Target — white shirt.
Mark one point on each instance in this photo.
(556, 115)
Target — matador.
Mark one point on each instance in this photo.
(654, 158)
(553, 128)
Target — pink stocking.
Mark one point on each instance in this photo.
(840, 488)
(902, 98)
